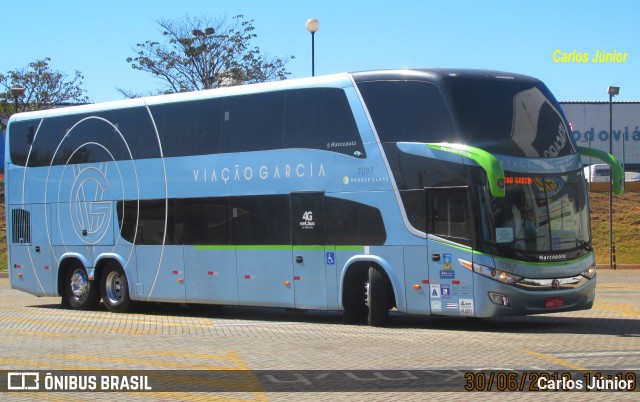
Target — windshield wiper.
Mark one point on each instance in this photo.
(583, 244)
(580, 243)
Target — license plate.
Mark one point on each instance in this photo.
(554, 302)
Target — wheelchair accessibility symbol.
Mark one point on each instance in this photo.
(331, 258)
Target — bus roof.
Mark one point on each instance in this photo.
(334, 80)
(339, 80)
(436, 74)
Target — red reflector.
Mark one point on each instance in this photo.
(247, 277)
(296, 278)
(554, 302)
(174, 272)
(425, 281)
(455, 282)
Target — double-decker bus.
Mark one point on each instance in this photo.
(432, 192)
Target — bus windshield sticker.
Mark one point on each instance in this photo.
(504, 235)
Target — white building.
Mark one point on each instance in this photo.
(590, 124)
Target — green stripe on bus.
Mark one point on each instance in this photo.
(347, 248)
(537, 264)
(487, 161)
(616, 169)
(276, 247)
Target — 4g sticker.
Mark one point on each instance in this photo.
(307, 220)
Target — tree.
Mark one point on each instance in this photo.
(202, 53)
(44, 88)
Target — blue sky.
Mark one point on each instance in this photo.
(96, 37)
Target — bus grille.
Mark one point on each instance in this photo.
(21, 224)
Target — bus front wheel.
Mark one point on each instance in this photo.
(377, 297)
(80, 293)
(354, 297)
(115, 288)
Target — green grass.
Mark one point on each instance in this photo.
(626, 227)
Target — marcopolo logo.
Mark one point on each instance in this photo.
(90, 215)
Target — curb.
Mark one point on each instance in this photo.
(4, 274)
(618, 266)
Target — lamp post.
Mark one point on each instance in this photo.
(612, 91)
(17, 92)
(312, 26)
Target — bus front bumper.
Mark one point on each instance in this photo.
(491, 302)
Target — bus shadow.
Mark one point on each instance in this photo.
(226, 312)
(536, 324)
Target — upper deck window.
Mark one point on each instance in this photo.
(408, 111)
(306, 118)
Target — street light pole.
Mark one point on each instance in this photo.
(312, 26)
(612, 91)
(17, 92)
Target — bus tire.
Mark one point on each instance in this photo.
(79, 292)
(355, 312)
(115, 288)
(377, 290)
(354, 302)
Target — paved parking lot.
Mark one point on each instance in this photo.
(36, 334)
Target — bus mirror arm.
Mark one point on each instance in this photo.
(489, 163)
(616, 169)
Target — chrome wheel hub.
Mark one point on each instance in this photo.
(79, 284)
(114, 287)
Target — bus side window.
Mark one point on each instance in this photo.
(448, 213)
(321, 118)
(252, 122)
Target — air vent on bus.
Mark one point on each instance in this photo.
(21, 224)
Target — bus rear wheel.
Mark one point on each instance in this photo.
(79, 292)
(377, 297)
(115, 288)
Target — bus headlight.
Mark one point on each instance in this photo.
(496, 274)
(589, 273)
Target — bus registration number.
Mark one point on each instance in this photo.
(554, 302)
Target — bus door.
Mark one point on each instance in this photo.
(449, 232)
(307, 221)
(41, 253)
(261, 232)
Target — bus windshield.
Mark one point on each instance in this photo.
(511, 117)
(539, 214)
